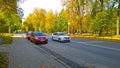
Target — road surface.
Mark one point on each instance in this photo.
(24, 54)
(79, 53)
(86, 53)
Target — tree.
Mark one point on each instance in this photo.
(97, 15)
(118, 17)
(28, 24)
(36, 20)
(50, 19)
(2, 25)
(9, 10)
(61, 22)
(8, 6)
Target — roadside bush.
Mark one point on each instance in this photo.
(6, 39)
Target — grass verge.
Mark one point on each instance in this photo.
(6, 39)
(93, 36)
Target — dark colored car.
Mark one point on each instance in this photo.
(28, 35)
(38, 37)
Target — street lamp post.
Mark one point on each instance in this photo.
(68, 28)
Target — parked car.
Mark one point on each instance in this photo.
(38, 37)
(28, 35)
(61, 37)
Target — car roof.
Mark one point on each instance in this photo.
(30, 32)
(38, 32)
(58, 32)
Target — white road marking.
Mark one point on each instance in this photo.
(115, 49)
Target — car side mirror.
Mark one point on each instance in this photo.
(32, 34)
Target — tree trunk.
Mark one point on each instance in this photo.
(117, 25)
(100, 32)
(101, 1)
(80, 27)
(9, 29)
(118, 14)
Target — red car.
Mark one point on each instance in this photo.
(38, 37)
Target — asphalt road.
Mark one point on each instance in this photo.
(84, 53)
(79, 53)
(24, 54)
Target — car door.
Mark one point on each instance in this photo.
(55, 36)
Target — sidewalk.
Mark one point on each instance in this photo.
(25, 54)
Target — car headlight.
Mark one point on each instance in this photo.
(46, 37)
(36, 38)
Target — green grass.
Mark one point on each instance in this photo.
(95, 36)
(6, 39)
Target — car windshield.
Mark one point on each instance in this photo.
(39, 34)
(29, 32)
(61, 34)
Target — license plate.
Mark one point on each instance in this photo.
(42, 40)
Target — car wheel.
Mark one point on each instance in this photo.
(31, 40)
(69, 41)
(34, 42)
(59, 40)
(53, 39)
(46, 42)
(28, 38)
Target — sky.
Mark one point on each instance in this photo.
(29, 5)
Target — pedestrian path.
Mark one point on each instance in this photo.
(24, 54)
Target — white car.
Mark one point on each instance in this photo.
(61, 37)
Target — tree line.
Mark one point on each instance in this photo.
(81, 16)
(78, 16)
(41, 20)
(94, 16)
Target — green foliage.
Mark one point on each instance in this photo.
(60, 23)
(9, 6)
(94, 16)
(10, 20)
(103, 23)
(6, 40)
(2, 25)
(8, 15)
(35, 21)
(98, 16)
